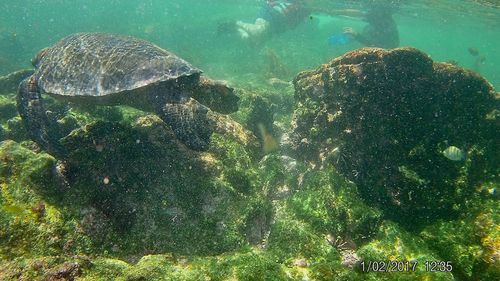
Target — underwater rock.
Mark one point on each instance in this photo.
(10, 83)
(226, 126)
(275, 67)
(384, 117)
(15, 130)
(320, 218)
(7, 107)
(65, 271)
(139, 183)
(58, 268)
(130, 189)
(31, 222)
(409, 254)
(260, 122)
(472, 242)
(10, 123)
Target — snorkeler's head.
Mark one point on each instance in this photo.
(379, 12)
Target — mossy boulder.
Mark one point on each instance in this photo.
(29, 225)
(129, 190)
(136, 187)
(46, 268)
(471, 242)
(10, 83)
(402, 255)
(384, 117)
(10, 123)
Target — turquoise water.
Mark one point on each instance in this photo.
(443, 29)
(292, 186)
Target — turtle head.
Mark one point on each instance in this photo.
(36, 60)
(217, 95)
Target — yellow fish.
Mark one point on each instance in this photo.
(269, 143)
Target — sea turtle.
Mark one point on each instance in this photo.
(111, 69)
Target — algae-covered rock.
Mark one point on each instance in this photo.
(384, 118)
(45, 268)
(471, 243)
(10, 83)
(402, 255)
(267, 115)
(30, 222)
(10, 122)
(7, 107)
(130, 202)
(129, 190)
(318, 220)
(137, 188)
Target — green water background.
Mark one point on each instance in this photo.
(443, 29)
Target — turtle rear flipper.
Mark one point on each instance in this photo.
(35, 119)
(190, 123)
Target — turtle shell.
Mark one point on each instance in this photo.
(101, 64)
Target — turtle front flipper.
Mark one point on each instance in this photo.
(190, 123)
(40, 129)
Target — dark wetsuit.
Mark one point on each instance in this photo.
(283, 15)
(381, 30)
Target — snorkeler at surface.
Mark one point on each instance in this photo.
(275, 17)
(381, 30)
(278, 16)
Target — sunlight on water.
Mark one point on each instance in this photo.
(445, 30)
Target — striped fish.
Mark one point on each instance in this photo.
(454, 153)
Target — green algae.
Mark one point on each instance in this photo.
(203, 199)
(383, 117)
(287, 220)
(30, 226)
(10, 123)
(167, 213)
(7, 107)
(397, 245)
(471, 242)
(248, 215)
(107, 268)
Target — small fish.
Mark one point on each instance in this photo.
(269, 143)
(454, 153)
(493, 191)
